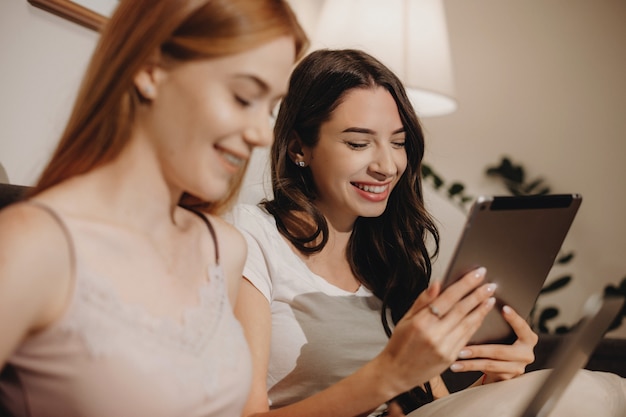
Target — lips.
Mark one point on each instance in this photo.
(231, 158)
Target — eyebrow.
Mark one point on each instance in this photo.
(265, 88)
(259, 82)
(369, 131)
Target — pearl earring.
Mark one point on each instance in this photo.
(147, 91)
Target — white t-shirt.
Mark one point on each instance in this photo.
(320, 333)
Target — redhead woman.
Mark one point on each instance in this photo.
(117, 275)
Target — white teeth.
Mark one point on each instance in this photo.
(376, 189)
(233, 159)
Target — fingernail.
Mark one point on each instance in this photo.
(507, 310)
(490, 302)
(465, 353)
(480, 272)
(455, 367)
(491, 288)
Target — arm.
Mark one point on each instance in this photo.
(253, 311)
(35, 274)
(498, 361)
(421, 347)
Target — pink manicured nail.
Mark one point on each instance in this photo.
(507, 310)
(465, 353)
(480, 272)
(456, 367)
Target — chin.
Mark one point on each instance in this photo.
(215, 193)
(373, 212)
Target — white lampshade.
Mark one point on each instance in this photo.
(409, 36)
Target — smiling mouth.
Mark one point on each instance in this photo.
(374, 189)
(233, 159)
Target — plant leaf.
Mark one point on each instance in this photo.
(455, 188)
(547, 314)
(557, 284)
(561, 330)
(565, 258)
(531, 186)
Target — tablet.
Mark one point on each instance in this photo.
(517, 239)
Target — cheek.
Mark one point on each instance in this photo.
(201, 112)
(402, 167)
(219, 115)
(401, 161)
(401, 164)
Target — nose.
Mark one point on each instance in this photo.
(259, 132)
(383, 165)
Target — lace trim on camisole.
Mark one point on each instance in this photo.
(107, 325)
(110, 327)
(191, 335)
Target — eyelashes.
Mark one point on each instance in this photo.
(360, 145)
(242, 101)
(355, 145)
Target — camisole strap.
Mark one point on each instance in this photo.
(68, 236)
(211, 230)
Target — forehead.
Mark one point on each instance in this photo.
(364, 106)
(270, 63)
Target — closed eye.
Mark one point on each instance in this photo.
(243, 102)
(356, 145)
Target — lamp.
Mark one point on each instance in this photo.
(409, 36)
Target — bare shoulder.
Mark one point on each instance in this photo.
(35, 265)
(230, 239)
(29, 231)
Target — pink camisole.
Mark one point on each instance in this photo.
(104, 358)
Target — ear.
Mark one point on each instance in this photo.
(148, 78)
(296, 150)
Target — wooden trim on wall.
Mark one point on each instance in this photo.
(72, 11)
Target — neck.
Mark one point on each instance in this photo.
(331, 262)
(129, 190)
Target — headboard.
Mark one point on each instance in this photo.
(10, 193)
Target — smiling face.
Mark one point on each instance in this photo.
(205, 116)
(359, 157)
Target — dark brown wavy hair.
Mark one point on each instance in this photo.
(388, 254)
(182, 30)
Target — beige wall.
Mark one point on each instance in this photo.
(43, 58)
(541, 81)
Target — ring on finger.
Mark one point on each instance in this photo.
(435, 311)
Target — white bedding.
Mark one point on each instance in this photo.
(591, 393)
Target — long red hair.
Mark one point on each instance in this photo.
(104, 111)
